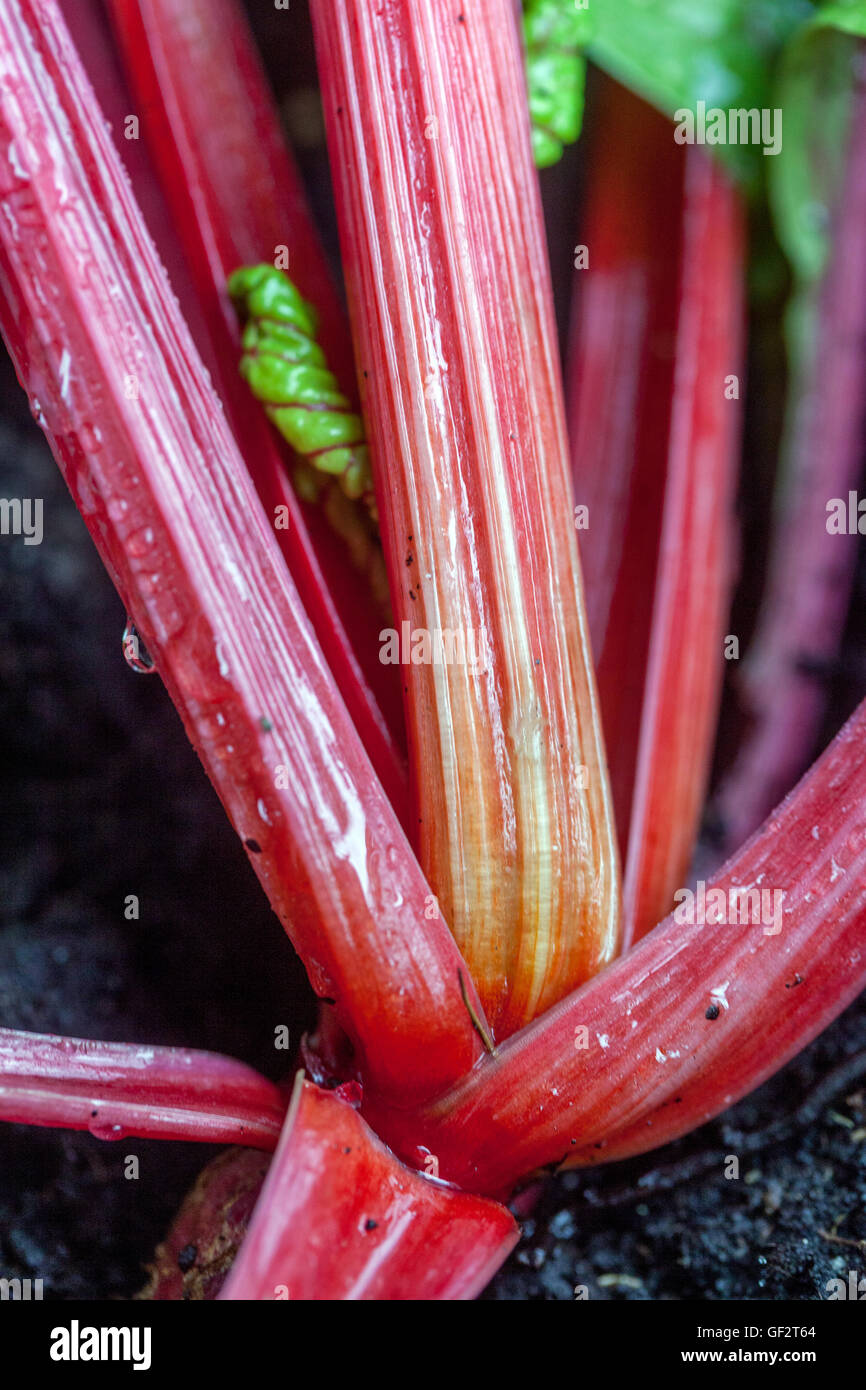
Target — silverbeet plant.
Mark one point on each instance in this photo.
(449, 873)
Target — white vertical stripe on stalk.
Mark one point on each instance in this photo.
(524, 854)
(529, 773)
(455, 703)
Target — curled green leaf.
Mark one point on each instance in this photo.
(287, 371)
(554, 33)
(815, 84)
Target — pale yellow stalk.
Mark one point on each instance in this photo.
(444, 253)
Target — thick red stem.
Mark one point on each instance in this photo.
(449, 290)
(693, 581)
(619, 391)
(656, 377)
(116, 1090)
(339, 1218)
(691, 1019)
(236, 198)
(115, 380)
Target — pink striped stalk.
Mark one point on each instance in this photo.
(225, 166)
(91, 35)
(686, 657)
(339, 1218)
(117, 1090)
(449, 294)
(691, 1019)
(237, 198)
(799, 632)
(619, 382)
(655, 340)
(115, 380)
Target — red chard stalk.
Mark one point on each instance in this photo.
(119, 1089)
(237, 198)
(451, 307)
(705, 1008)
(115, 380)
(382, 1231)
(656, 379)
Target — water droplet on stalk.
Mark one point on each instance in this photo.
(136, 653)
(90, 439)
(140, 543)
(101, 1129)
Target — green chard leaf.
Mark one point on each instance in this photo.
(677, 53)
(555, 33)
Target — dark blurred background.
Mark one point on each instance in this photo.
(103, 797)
